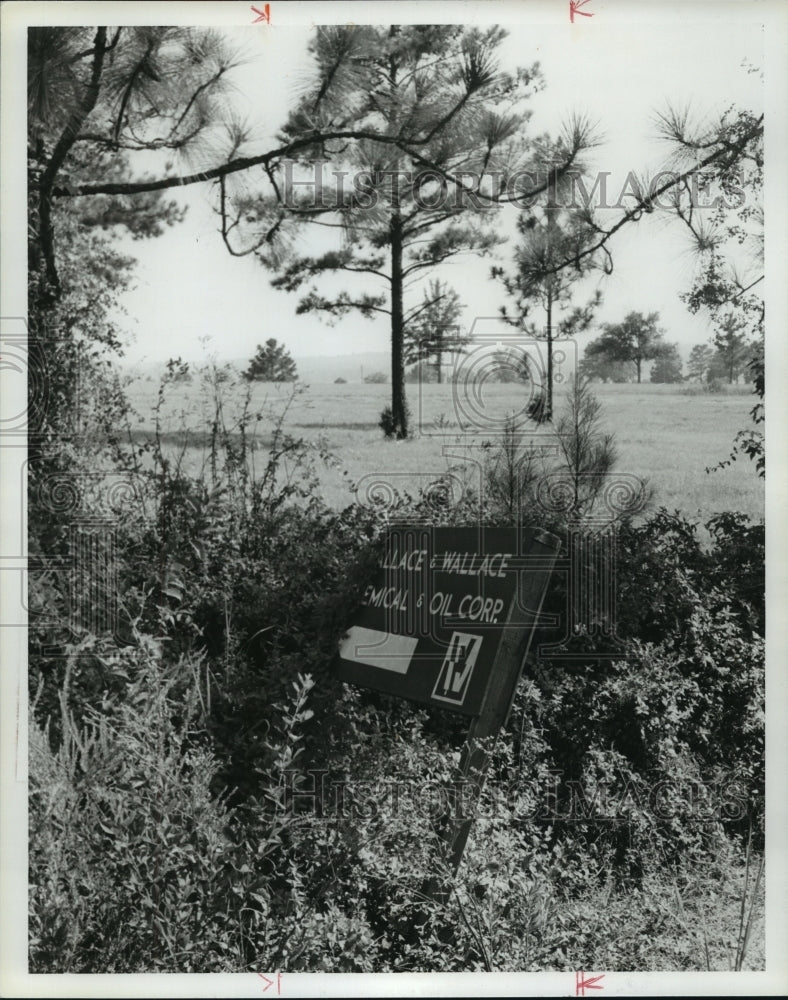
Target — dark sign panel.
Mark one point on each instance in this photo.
(446, 606)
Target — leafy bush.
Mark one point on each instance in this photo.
(387, 423)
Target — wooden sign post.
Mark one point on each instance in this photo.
(448, 622)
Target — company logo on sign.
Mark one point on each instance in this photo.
(455, 673)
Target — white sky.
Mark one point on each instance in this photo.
(189, 287)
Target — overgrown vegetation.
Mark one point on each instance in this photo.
(206, 797)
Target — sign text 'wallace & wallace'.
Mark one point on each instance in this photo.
(449, 611)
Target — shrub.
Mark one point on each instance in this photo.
(688, 700)
(386, 422)
(422, 373)
(137, 864)
(131, 863)
(524, 486)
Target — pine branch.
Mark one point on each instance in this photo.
(366, 305)
(723, 157)
(231, 167)
(413, 313)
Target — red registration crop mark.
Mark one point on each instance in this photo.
(262, 15)
(574, 8)
(270, 982)
(582, 984)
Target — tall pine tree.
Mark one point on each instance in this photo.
(403, 209)
(557, 233)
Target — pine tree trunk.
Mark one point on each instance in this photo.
(548, 414)
(399, 414)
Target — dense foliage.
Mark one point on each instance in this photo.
(667, 367)
(205, 795)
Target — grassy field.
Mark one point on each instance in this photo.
(666, 434)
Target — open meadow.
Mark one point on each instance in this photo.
(666, 434)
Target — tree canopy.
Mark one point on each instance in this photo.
(636, 339)
(666, 368)
(599, 368)
(733, 349)
(97, 98)
(729, 245)
(699, 362)
(423, 103)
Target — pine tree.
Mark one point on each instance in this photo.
(699, 362)
(271, 363)
(434, 330)
(548, 237)
(405, 208)
(96, 98)
(729, 245)
(512, 365)
(732, 348)
(666, 368)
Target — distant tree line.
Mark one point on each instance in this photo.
(507, 365)
(620, 353)
(726, 357)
